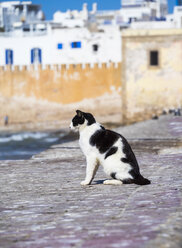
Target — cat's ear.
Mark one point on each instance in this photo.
(79, 113)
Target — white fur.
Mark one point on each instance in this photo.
(113, 163)
(94, 158)
(113, 182)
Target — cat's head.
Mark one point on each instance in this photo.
(81, 120)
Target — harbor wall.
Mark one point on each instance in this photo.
(63, 84)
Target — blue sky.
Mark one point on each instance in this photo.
(51, 6)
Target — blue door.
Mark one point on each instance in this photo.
(9, 56)
(36, 56)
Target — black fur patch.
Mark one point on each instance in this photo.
(113, 175)
(89, 117)
(77, 120)
(138, 178)
(80, 117)
(124, 160)
(134, 174)
(127, 181)
(103, 139)
(103, 128)
(111, 151)
(130, 158)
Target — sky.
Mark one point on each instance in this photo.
(51, 6)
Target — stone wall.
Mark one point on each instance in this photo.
(148, 90)
(60, 84)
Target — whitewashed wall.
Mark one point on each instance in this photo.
(109, 47)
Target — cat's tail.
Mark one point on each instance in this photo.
(141, 180)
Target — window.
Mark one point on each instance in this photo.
(60, 46)
(154, 58)
(95, 47)
(36, 56)
(76, 44)
(9, 56)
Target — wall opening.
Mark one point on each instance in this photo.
(95, 47)
(76, 44)
(60, 46)
(154, 58)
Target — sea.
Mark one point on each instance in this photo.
(24, 145)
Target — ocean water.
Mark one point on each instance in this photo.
(24, 145)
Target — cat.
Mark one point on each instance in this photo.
(107, 148)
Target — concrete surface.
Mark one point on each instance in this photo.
(42, 203)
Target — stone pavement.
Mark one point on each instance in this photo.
(42, 203)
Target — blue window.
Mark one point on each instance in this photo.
(76, 44)
(36, 56)
(60, 46)
(9, 56)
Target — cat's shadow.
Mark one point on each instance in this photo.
(98, 181)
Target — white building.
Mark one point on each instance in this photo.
(19, 14)
(74, 37)
(172, 21)
(131, 11)
(143, 10)
(176, 17)
(67, 39)
(61, 46)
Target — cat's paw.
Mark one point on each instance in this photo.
(112, 182)
(83, 183)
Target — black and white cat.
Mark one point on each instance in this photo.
(107, 148)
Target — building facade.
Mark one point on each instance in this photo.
(68, 39)
(151, 72)
(61, 46)
(15, 15)
(72, 37)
